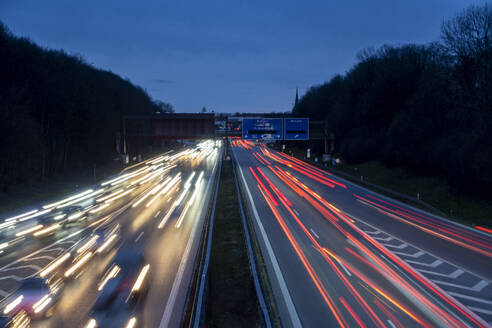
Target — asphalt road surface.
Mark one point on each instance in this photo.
(337, 254)
(159, 205)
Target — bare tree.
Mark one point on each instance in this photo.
(164, 107)
(469, 33)
(468, 38)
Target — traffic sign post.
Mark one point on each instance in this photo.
(262, 128)
(296, 128)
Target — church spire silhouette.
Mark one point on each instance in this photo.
(297, 97)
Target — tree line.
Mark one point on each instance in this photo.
(425, 107)
(58, 113)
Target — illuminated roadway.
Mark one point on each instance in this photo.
(169, 231)
(337, 254)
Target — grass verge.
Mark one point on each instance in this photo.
(231, 299)
(432, 190)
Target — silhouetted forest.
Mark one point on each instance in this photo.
(57, 112)
(424, 107)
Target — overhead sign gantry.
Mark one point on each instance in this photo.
(296, 128)
(262, 128)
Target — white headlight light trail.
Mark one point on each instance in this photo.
(29, 230)
(21, 215)
(78, 264)
(12, 305)
(51, 267)
(156, 191)
(34, 215)
(68, 199)
(78, 200)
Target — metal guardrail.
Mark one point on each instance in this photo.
(252, 261)
(379, 188)
(203, 276)
(197, 308)
(194, 305)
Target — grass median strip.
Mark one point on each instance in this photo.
(232, 299)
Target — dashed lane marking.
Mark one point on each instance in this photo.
(383, 239)
(401, 246)
(43, 257)
(27, 266)
(434, 264)
(476, 288)
(139, 236)
(391, 324)
(471, 298)
(14, 277)
(415, 255)
(472, 293)
(453, 275)
(480, 310)
(314, 233)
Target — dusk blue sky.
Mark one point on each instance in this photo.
(227, 55)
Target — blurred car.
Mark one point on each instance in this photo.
(122, 289)
(19, 320)
(75, 214)
(35, 296)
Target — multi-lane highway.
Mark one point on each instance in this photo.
(122, 253)
(130, 241)
(337, 254)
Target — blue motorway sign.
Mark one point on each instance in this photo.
(262, 128)
(296, 128)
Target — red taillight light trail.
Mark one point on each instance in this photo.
(326, 209)
(352, 313)
(347, 284)
(328, 300)
(483, 229)
(435, 223)
(405, 218)
(263, 186)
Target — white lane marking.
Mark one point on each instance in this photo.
(294, 318)
(401, 246)
(44, 257)
(297, 213)
(480, 310)
(345, 269)
(434, 264)
(389, 238)
(56, 249)
(415, 255)
(471, 298)
(455, 274)
(166, 317)
(139, 236)
(391, 323)
(17, 278)
(476, 288)
(168, 311)
(314, 233)
(27, 266)
(157, 214)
